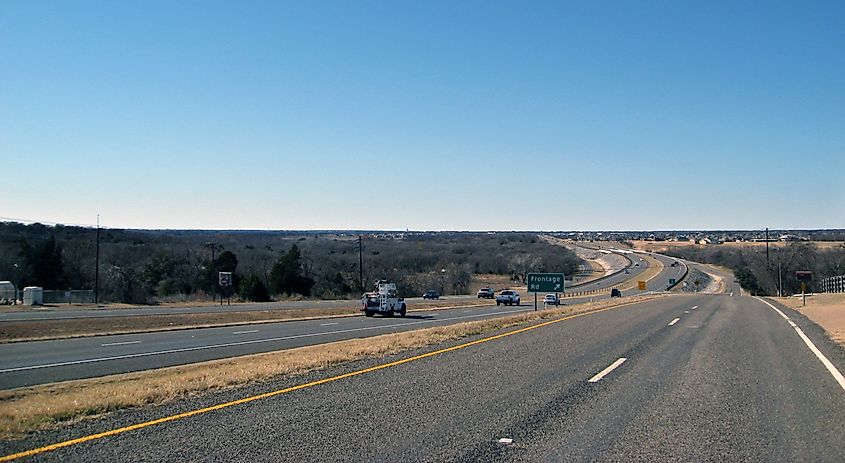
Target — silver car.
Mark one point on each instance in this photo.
(551, 299)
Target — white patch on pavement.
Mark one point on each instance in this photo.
(674, 321)
(108, 344)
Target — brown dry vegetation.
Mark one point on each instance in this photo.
(15, 331)
(827, 310)
(41, 407)
(597, 269)
(661, 246)
(488, 280)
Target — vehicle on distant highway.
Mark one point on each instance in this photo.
(431, 294)
(674, 264)
(615, 292)
(551, 299)
(384, 300)
(507, 297)
(486, 293)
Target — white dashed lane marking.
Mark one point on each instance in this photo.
(109, 344)
(607, 370)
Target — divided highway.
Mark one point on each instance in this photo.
(62, 313)
(683, 378)
(39, 362)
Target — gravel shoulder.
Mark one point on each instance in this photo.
(827, 310)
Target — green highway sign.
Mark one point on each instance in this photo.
(671, 281)
(545, 283)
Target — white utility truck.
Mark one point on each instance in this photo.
(384, 300)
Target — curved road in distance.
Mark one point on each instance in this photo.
(39, 362)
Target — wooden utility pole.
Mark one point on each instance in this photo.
(97, 266)
(360, 263)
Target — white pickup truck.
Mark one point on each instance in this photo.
(384, 300)
(507, 297)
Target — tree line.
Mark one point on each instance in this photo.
(143, 266)
(760, 275)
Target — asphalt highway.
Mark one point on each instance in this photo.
(39, 362)
(682, 378)
(60, 313)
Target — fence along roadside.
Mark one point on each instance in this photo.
(834, 284)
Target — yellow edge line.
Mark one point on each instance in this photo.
(88, 438)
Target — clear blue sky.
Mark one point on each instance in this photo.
(428, 115)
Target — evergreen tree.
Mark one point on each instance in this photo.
(44, 262)
(285, 276)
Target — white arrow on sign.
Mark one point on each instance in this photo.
(557, 286)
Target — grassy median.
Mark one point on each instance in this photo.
(47, 406)
(650, 273)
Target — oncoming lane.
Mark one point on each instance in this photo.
(30, 363)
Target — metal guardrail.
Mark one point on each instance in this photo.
(590, 292)
(834, 284)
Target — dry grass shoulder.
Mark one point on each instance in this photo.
(39, 330)
(47, 406)
(827, 310)
(598, 270)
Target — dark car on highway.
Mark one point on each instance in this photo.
(431, 294)
(615, 292)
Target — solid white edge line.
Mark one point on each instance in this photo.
(109, 344)
(253, 341)
(607, 370)
(674, 321)
(830, 366)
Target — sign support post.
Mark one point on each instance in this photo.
(545, 282)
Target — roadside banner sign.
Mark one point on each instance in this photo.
(545, 283)
(224, 279)
(641, 285)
